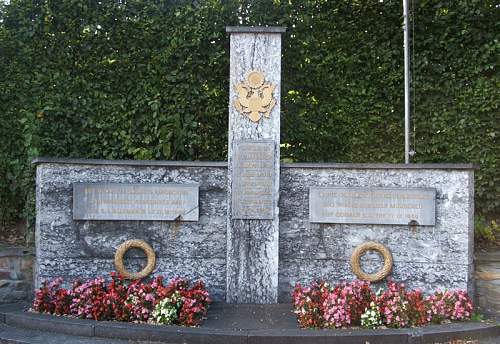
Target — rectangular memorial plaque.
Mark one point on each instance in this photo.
(120, 201)
(253, 180)
(361, 205)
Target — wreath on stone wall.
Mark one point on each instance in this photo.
(371, 246)
(142, 245)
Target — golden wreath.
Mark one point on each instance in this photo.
(356, 265)
(120, 253)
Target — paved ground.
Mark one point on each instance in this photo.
(242, 324)
(12, 335)
(251, 317)
(15, 335)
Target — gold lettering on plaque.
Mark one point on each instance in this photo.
(255, 97)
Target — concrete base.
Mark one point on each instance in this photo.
(233, 324)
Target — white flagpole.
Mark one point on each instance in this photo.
(406, 46)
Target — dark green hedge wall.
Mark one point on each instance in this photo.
(149, 80)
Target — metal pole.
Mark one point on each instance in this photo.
(406, 46)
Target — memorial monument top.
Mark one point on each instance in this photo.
(223, 164)
(255, 29)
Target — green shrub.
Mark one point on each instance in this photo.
(486, 231)
(149, 80)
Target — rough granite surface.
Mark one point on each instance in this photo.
(427, 257)
(77, 248)
(252, 245)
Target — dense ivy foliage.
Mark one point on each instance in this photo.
(149, 80)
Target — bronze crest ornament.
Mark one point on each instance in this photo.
(255, 97)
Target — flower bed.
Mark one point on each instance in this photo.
(176, 303)
(355, 304)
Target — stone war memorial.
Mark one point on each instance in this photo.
(251, 249)
(253, 227)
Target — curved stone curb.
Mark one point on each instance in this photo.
(470, 331)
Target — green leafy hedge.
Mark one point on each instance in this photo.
(149, 80)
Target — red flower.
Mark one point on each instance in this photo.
(320, 305)
(117, 300)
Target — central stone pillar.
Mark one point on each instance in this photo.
(254, 164)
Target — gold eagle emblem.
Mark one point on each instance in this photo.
(255, 97)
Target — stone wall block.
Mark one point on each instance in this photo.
(487, 277)
(85, 249)
(16, 274)
(427, 257)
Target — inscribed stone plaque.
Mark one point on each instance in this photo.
(253, 180)
(361, 205)
(116, 201)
